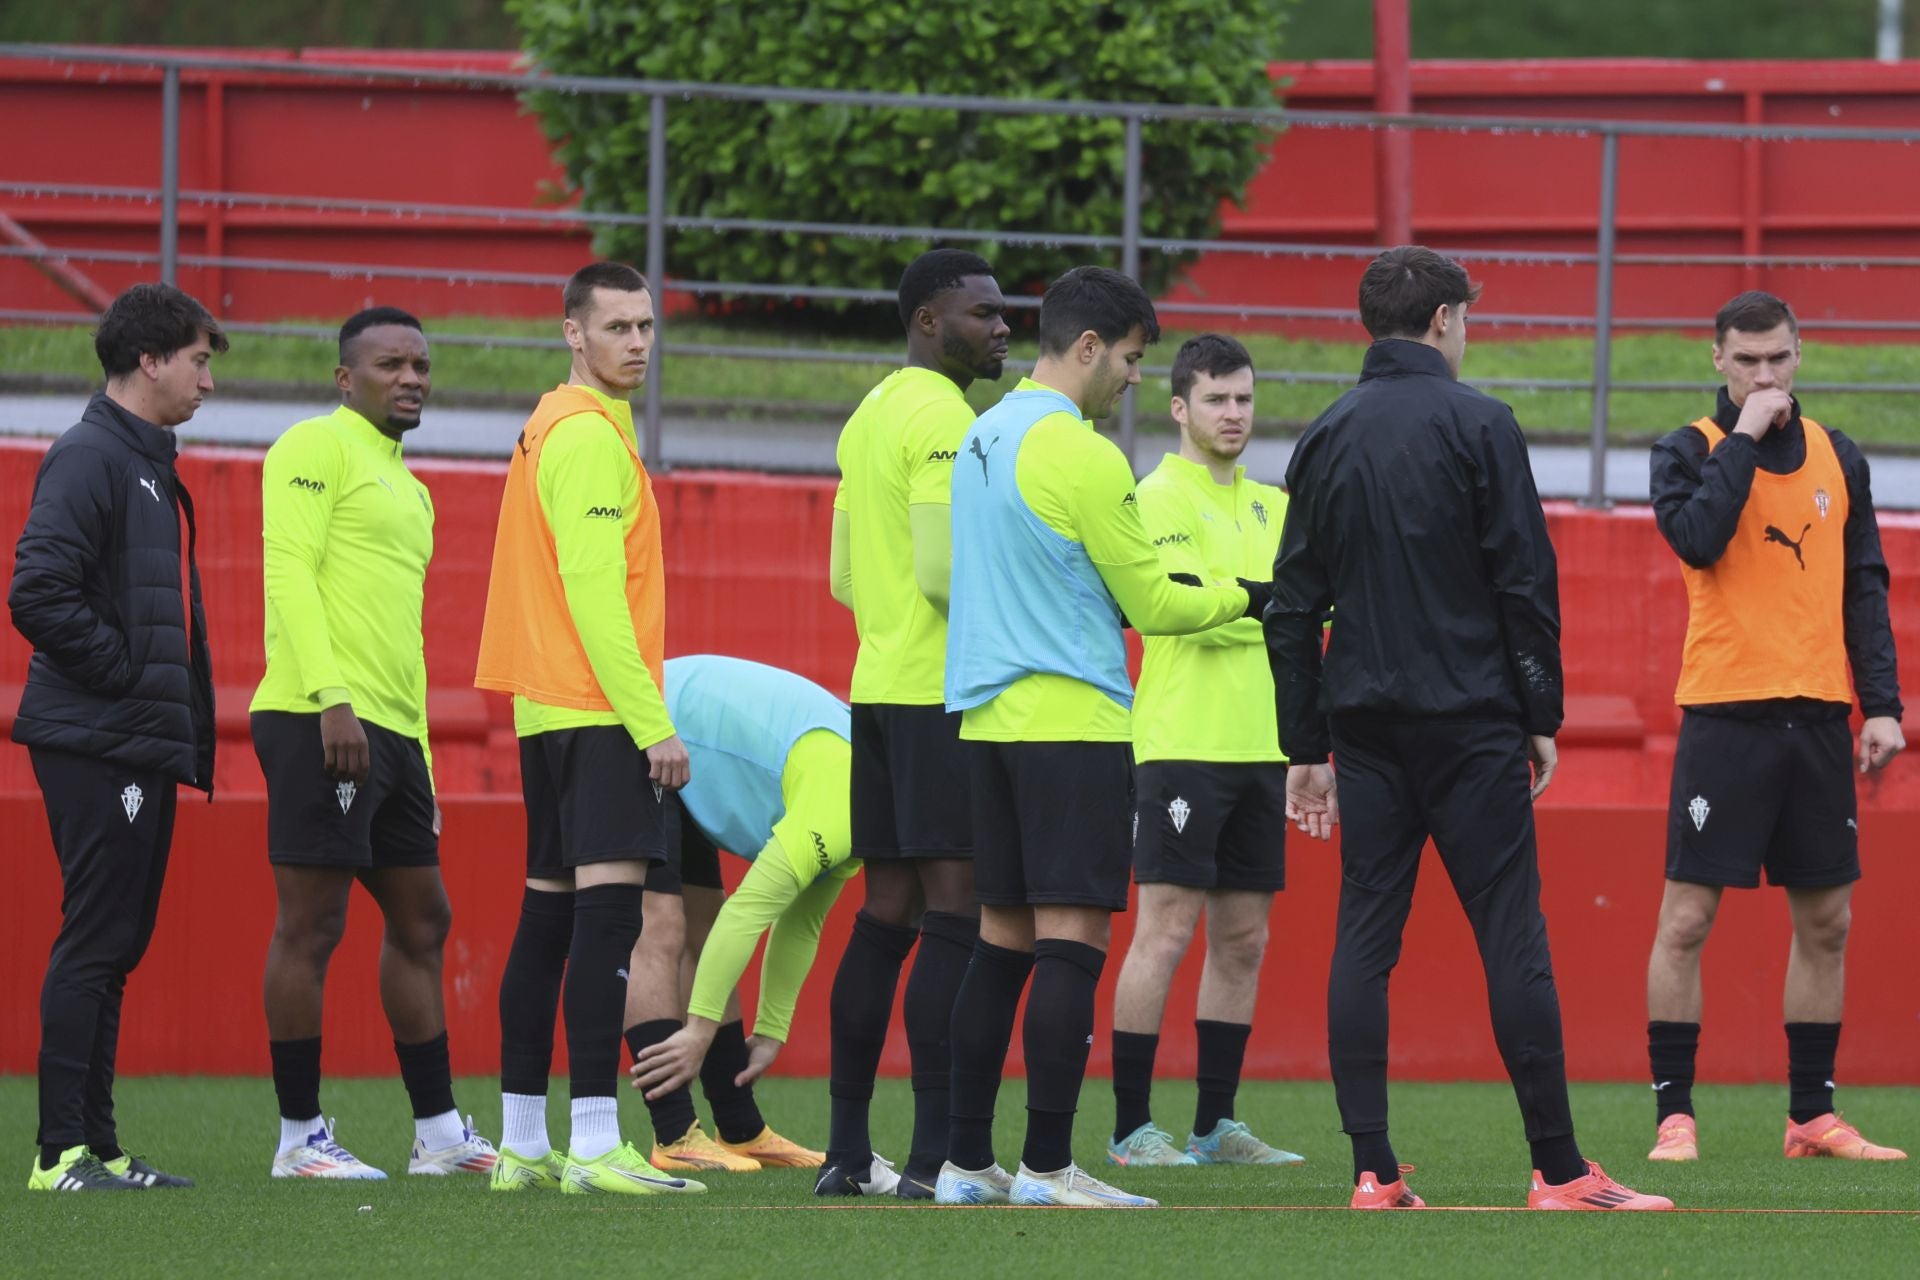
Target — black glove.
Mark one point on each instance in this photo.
(1259, 595)
(1185, 579)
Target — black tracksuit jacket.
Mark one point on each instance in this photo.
(97, 591)
(1413, 515)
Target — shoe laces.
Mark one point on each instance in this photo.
(90, 1163)
(329, 1148)
(1148, 1135)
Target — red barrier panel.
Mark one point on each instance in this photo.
(194, 1006)
(746, 559)
(275, 134)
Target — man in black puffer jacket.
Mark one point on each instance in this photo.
(118, 707)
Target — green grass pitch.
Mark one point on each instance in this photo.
(1464, 1137)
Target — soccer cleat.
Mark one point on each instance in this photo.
(472, 1154)
(771, 1151)
(992, 1185)
(875, 1179)
(1231, 1142)
(917, 1184)
(321, 1157)
(1678, 1139)
(78, 1169)
(1594, 1191)
(518, 1173)
(1373, 1193)
(1072, 1187)
(135, 1169)
(1147, 1147)
(1830, 1136)
(695, 1150)
(622, 1171)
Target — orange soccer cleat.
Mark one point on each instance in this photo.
(1373, 1193)
(776, 1152)
(1678, 1139)
(1595, 1191)
(1830, 1136)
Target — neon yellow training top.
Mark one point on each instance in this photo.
(346, 534)
(1079, 483)
(1209, 696)
(897, 451)
(581, 471)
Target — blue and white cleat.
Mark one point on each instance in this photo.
(1231, 1142)
(972, 1186)
(1147, 1146)
(1072, 1187)
(321, 1157)
(472, 1154)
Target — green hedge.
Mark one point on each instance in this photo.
(905, 167)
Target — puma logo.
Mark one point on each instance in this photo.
(981, 454)
(1775, 535)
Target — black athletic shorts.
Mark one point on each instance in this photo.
(1208, 825)
(315, 821)
(909, 795)
(1052, 823)
(692, 859)
(1751, 794)
(589, 799)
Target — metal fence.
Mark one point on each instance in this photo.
(1129, 241)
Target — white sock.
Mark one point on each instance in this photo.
(524, 1129)
(437, 1133)
(596, 1127)
(294, 1133)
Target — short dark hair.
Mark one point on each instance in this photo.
(1095, 298)
(1755, 311)
(373, 317)
(1214, 354)
(155, 320)
(599, 275)
(1402, 288)
(932, 274)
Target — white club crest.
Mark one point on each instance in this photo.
(1821, 502)
(1698, 809)
(345, 792)
(130, 801)
(1178, 811)
(1136, 826)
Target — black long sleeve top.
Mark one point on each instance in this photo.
(1413, 516)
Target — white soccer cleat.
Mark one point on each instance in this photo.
(321, 1157)
(472, 1154)
(1073, 1187)
(971, 1186)
(881, 1179)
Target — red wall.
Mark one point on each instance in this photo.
(747, 569)
(194, 1006)
(254, 132)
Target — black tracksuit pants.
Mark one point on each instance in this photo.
(1465, 784)
(112, 827)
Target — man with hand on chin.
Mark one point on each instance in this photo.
(1772, 517)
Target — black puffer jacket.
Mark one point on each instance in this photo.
(97, 592)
